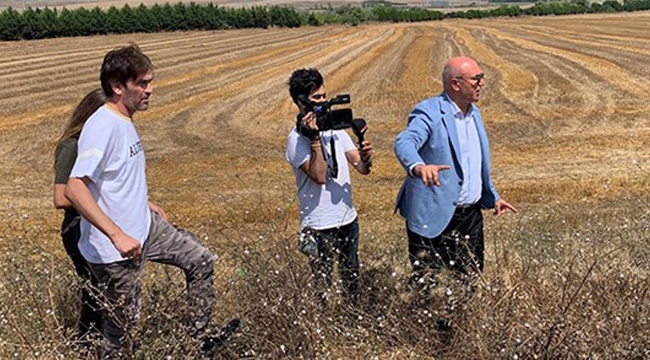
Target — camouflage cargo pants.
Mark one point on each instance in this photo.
(120, 284)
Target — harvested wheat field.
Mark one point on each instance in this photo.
(566, 107)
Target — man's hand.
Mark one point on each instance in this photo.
(128, 247)
(366, 151)
(361, 159)
(309, 122)
(429, 173)
(158, 210)
(77, 192)
(501, 206)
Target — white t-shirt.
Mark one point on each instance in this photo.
(111, 155)
(323, 206)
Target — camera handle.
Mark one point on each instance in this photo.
(359, 128)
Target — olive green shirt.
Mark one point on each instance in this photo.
(65, 156)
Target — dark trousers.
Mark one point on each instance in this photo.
(121, 284)
(340, 243)
(91, 316)
(459, 248)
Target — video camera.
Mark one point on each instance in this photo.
(328, 119)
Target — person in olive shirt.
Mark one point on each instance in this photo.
(65, 156)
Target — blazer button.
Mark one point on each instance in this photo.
(454, 203)
(460, 183)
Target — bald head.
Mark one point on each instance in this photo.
(455, 67)
(462, 80)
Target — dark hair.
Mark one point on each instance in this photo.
(123, 64)
(303, 82)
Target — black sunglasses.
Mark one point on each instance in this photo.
(474, 80)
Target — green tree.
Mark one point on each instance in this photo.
(261, 17)
(97, 19)
(85, 21)
(216, 17)
(68, 23)
(34, 27)
(11, 24)
(313, 20)
(177, 18)
(143, 21)
(128, 23)
(284, 16)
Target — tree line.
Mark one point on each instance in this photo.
(50, 23)
(544, 8)
(43, 23)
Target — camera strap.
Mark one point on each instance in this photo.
(334, 166)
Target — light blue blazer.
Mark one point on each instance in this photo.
(431, 138)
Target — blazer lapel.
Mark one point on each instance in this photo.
(450, 123)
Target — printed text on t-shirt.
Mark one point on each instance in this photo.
(135, 149)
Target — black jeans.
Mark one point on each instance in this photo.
(91, 314)
(341, 243)
(458, 248)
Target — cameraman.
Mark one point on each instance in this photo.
(320, 163)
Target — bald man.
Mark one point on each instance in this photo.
(444, 150)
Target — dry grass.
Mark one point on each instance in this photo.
(565, 107)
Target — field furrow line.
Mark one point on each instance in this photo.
(624, 43)
(452, 40)
(277, 51)
(561, 92)
(22, 119)
(424, 62)
(633, 57)
(338, 64)
(339, 69)
(43, 92)
(52, 48)
(250, 111)
(384, 70)
(630, 26)
(417, 66)
(221, 76)
(232, 48)
(442, 47)
(179, 57)
(358, 72)
(607, 70)
(368, 67)
(517, 83)
(243, 93)
(23, 56)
